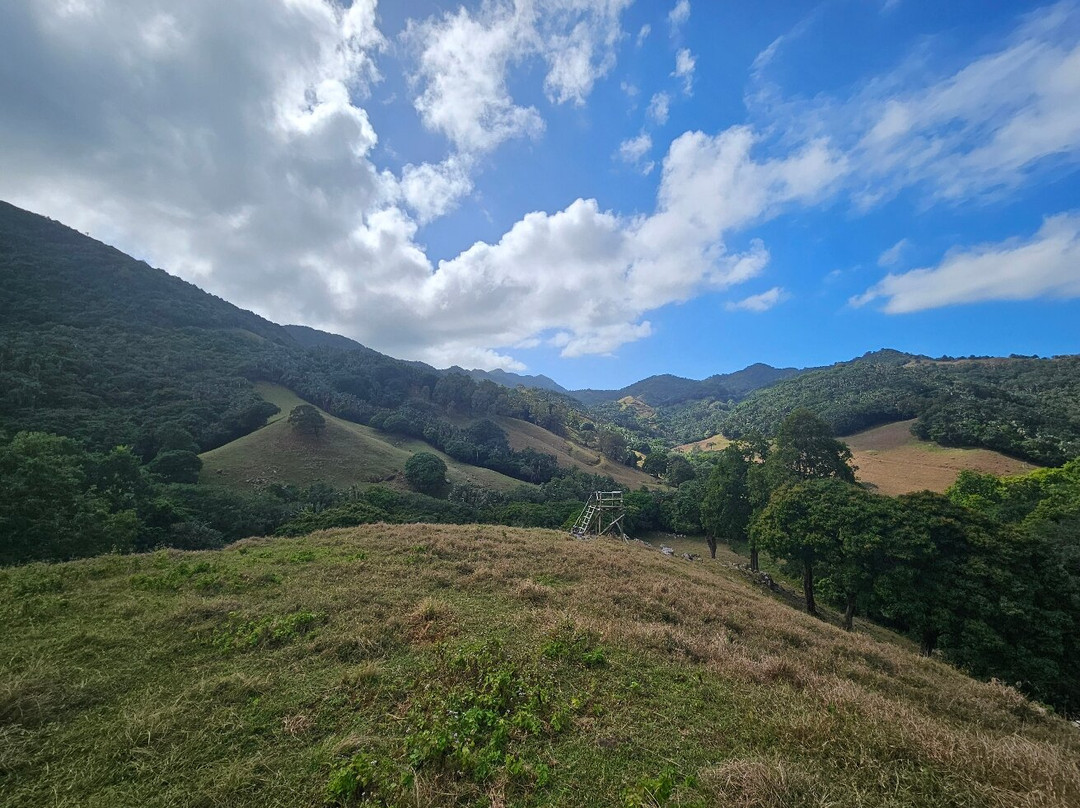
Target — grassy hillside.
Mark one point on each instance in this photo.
(569, 454)
(894, 461)
(429, 665)
(344, 454)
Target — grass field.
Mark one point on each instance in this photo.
(716, 443)
(896, 462)
(424, 665)
(344, 454)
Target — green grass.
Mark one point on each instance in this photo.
(344, 454)
(480, 665)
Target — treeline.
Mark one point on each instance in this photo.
(1023, 407)
(987, 574)
(62, 501)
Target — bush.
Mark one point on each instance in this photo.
(426, 473)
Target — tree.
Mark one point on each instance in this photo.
(655, 463)
(612, 445)
(926, 589)
(826, 523)
(679, 470)
(176, 467)
(805, 449)
(305, 418)
(426, 473)
(725, 507)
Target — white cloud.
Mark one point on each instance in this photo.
(1044, 266)
(464, 59)
(633, 150)
(759, 303)
(463, 68)
(892, 255)
(643, 34)
(659, 108)
(242, 161)
(986, 127)
(684, 69)
(434, 190)
(679, 14)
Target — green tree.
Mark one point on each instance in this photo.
(806, 449)
(426, 473)
(655, 463)
(927, 589)
(306, 418)
(725, 506)
(176, 467)
(825, 524)
(679, 470)
(49, 511)
(612, 445)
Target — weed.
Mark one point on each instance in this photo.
(567, 643)
(268, 631)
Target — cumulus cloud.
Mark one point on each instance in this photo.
(431, 190)
(759, 303)
(659, 108)
(1044, 266)
(464, 58)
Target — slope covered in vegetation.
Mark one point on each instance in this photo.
(1023, 407)
(425, 665)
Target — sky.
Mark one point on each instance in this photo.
(595, 190)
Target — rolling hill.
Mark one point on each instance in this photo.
(343, 455)
(434, 665)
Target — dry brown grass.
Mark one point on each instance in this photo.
(705, 673)
(896, 462)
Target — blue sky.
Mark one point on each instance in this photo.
(597, 190)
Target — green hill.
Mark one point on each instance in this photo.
(1024, 407)
(343, 455)
(428, 665)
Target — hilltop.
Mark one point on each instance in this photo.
(433, 665)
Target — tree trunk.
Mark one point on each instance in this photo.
(849, 614)
(711, 540)
(808, 587)
(753, 559)
(928, 642)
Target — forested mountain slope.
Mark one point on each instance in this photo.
(1024, 407)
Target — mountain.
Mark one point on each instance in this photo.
(313, 338)
(55, 276)
(665, 389)
(1025, 407)
(507, 379)
(101, 348)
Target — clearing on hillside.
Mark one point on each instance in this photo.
(344, 454)
(895, 462)
(717, 443)
(427, 665)
(523, 435)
